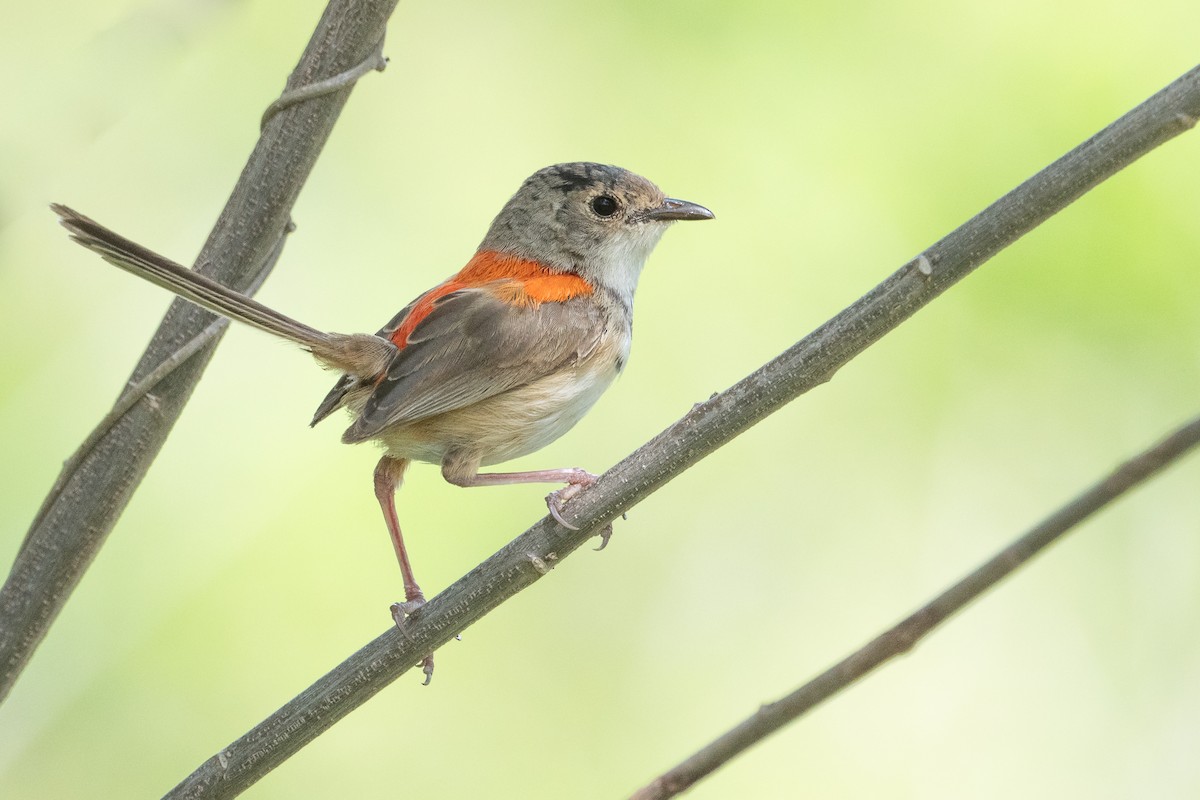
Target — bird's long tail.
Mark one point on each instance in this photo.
(359, 354)
(205, 292)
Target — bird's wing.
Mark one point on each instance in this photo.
(474, 344)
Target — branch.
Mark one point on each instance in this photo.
(905, 635)
(708, 426)
(98, 481)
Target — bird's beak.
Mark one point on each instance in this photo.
(672, 209)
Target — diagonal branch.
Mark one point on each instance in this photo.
(98, 481)
(905, 635)
(708, 426)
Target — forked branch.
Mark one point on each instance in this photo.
(97, 482)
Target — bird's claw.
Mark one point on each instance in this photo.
(555, 500)
(402, 611)
(605, 535)
(400, 614)
(427, 668)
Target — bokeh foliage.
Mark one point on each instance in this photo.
(833, 141)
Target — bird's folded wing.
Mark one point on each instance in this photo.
(474, 345)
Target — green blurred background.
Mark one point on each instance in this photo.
(834, 141)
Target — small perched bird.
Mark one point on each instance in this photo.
(494, 363)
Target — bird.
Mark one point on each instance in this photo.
(494, 363)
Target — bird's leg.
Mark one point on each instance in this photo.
(388, 475)
(576, 479)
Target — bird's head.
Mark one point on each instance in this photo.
(594, 220)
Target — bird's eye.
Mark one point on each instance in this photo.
(604, 205)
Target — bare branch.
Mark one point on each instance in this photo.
(708, 426)
(97, 482)
(903, 636)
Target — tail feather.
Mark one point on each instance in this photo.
(190, 285)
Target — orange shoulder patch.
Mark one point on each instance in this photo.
(514, 280)
(421, 309)
(525, 282)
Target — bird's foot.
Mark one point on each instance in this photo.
(578, 481)
(400, 614)
(605, 535)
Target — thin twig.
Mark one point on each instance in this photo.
(96, 484)
(708, 426)
(343, 80)
(903, 636)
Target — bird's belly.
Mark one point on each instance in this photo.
(507, 425)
